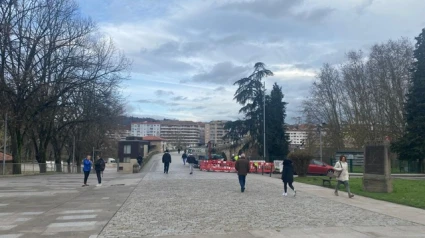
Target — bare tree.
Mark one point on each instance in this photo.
(363, 99)
(52, 67)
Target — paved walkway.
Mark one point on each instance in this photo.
(204, 204)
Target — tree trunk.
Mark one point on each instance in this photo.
(42, 161)
(16, 147)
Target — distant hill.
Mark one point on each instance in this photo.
(126, 121)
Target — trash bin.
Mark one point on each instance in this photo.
(136, 168)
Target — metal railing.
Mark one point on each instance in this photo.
(37, 168)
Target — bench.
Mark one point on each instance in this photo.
(328, 179)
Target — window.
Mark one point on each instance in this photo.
(126, 159)
(127, 149)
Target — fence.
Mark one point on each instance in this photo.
(34, 168)
(397, 166)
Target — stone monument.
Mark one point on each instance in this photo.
(377, 168)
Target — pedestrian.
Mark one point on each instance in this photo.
(86, 169)
(288, 177)
(191, 160)
(178, 150)
(140, 159)
(166, 160)
(242, 166)
(99, 166)
(184, 157)
(342, 175)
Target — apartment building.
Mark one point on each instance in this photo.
(298, 134)
(214, 132)
(141, 129)
(181, 133)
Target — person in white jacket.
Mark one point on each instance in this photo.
(342, 169)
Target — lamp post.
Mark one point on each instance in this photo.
(4, 146)
(264, 120)
(73, 156)
(319, 128)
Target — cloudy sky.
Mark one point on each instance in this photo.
(187, 54)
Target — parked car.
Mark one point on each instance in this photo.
(318, 167)
(216, 156)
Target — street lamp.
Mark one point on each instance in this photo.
(264, 120)
(4, 146)
(319, 128)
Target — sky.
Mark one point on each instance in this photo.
(186, 54)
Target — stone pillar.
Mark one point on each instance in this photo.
(377, 168)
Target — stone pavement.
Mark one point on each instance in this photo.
(211, 205)
(151, 204)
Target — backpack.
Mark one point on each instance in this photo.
(100, 164)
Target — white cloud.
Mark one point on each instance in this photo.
(192, 47)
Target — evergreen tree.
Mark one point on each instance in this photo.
(250, 95)
(412, 145)
(277, 141)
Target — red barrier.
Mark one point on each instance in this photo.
(229, 166)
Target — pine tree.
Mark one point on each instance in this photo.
(250, 94)
(277, 141)
(412, 145)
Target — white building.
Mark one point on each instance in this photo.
(214, 132)
(145, 129)
(181, 133)
(298, 134)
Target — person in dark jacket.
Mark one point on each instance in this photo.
(184, 157)
(86, 169)
(191, 160)
(166, 160)
(140, 159)
(242, 166)
(288, 177)
(99, 166)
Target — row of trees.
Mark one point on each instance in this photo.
(364, 99)
(58, 80)
(251, 94)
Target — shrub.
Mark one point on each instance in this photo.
(301, 160)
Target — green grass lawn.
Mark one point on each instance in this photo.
(359, 169)
(406, 192)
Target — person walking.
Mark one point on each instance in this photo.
(178, 150)
(184, 157)
(288, 177)
(140, 159)
(99, 166)
(166, 160)
(86, 169)
(191, 160)
(242, 166)
(342, 175)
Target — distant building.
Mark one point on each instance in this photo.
(145, 129)
(181, 133)
(214, 132)
(128, 151)
(298, 134)
(155, 143)
(119, 134)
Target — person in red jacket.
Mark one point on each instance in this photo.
(242, 166)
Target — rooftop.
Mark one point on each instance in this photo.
(8, 157)
(153, 138)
